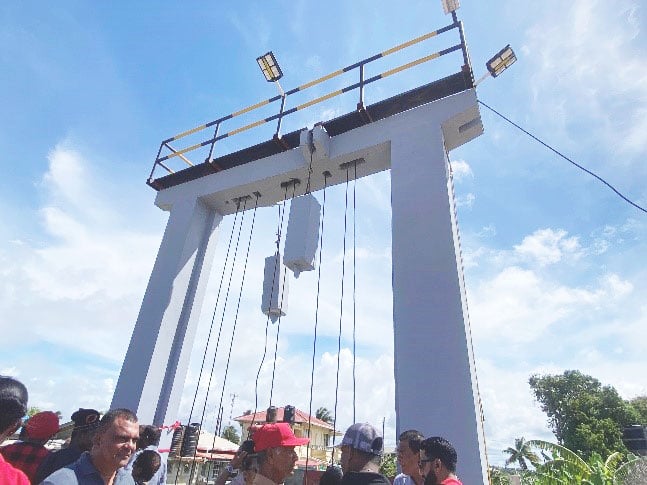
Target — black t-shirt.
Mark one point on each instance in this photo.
(364, 478)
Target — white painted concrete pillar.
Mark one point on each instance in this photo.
(435, 389)
(154, 370)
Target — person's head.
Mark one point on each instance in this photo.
(360, 446)
(149, 436)
(41, 427)
(437, 459)
(409, 451)
(13, 405)
(274, 445)
(86, 422)
(115, 440)
(332, 476)
(146, 465)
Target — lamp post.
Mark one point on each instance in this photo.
(271, 69)
(498, 63)
(450, 6)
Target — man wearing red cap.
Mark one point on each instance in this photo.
(27, 454)
(274, 445)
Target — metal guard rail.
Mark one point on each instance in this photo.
(159, 160)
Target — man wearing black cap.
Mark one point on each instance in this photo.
(361, 453)
(85, 422)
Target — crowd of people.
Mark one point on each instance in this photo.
(114, 449)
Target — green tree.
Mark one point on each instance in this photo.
(33, 410)
(521, 452)
(323, 414)
(567, 467)
(388, 466)
(640, 405)
(498, 476)
(584, 415)
(230, 433)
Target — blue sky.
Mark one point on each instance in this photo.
(554, 260)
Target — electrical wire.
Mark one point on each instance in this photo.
(564, 157)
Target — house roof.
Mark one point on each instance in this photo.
(208, 442)
(300, 417)
(310, 463)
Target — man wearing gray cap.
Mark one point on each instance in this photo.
(361, 453)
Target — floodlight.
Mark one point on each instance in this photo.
(269, 66)
(501, 61)
(450, 6)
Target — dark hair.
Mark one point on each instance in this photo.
(332, 476)
(437, 447)
(112, 415)
(146, 465)
(149, 435)
(413, 437)
(13, 401)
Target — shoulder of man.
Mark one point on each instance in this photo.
(364, 478)
(80, 471)
(63, 476)
(55, 461)
(401, 479)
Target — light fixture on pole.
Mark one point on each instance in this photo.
(271, 69)
(499, 63)
(450, 6)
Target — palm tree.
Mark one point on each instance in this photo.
(567, 467)
(323, 414)
(521, 452)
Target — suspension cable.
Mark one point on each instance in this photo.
(354, 281)
(233, 333)
(213, 318)
(224, 308)
(314, 341)
(267, 320)
(341, 313)
(278, 324)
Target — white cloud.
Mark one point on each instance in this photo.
(466, 201)
(596, 72)
(547, 246)
(461, 169)
(84, 277)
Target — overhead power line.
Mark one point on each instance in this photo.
(564, 157)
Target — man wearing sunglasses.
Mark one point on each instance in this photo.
(438, 462)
